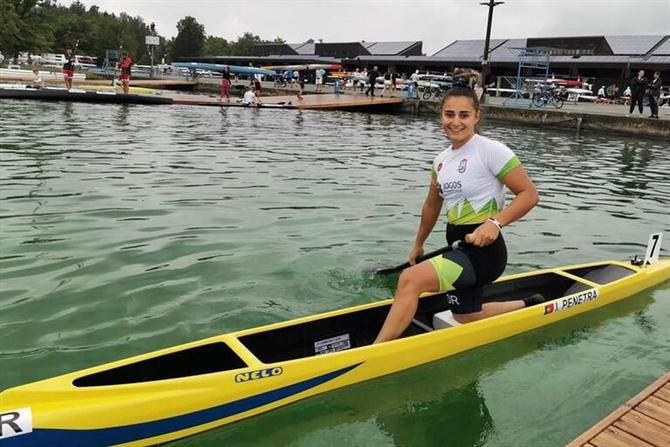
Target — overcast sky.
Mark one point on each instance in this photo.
(436, 23)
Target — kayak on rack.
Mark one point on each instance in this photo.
(183, 390)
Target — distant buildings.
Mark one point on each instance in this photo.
(610, 59)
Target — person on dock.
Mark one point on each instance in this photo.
(626, 95)
(638, 86)
(414, 79)
(372, 80)
(471, 176)
(125, 64)
(249, 98)
(68, 68)
(256, 81)
(394, 82)
(655, 94)
(354, 80)
(320, 74)
(387, 81)
(225, 85)
(301, 84)
(38, 80)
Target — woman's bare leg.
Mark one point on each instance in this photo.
(413, 281)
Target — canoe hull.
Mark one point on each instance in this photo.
(54, 94)
(97, 407)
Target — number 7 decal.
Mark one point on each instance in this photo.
(653, 248)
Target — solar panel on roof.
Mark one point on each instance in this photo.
(633, 45)
(389, 48)
(663, 50)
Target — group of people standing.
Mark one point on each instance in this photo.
(641, 86)
(124, 67)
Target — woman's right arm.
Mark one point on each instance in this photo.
(429, 214)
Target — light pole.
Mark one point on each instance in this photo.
(152, 41)
(485, 58)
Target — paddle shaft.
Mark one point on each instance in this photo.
(432, 254)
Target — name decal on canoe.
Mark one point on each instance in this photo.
(260, 374)
(570, 301)
(15, 423)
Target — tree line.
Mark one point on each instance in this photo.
(45, 26)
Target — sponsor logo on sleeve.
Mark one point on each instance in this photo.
(260, 374)
(16, 423)
(570, 301)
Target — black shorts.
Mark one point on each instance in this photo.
(480, 266)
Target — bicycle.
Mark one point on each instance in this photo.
(543, 99)
(429, 92)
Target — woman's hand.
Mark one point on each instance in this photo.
(417, 251)
(484, 235)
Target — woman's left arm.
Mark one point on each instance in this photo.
(525, 198)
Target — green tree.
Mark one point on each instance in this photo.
(244, 45)
(190, 38)
(216, 46)
(22, 26)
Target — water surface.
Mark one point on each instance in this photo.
(131, 228)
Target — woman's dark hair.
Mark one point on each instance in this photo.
(461, 91)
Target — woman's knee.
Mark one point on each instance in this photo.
(418, 279)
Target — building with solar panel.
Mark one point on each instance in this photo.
(606, 59)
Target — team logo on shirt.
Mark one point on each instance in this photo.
(439, 167)
(463, 166)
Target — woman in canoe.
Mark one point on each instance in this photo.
(471, 176)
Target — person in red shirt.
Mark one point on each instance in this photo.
(125, 64)
(68, 68)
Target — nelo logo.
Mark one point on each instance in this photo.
(260, 374)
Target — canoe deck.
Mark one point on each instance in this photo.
(643, 421)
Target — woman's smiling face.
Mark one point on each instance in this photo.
(459, 119)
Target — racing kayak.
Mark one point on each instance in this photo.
(302, 67)
(236, 69)
(183, 390)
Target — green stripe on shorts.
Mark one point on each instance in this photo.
(447, 272)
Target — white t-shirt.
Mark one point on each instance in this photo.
(249, 98)
(470, 179)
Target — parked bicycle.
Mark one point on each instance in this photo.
(429, 92)
(548, 98)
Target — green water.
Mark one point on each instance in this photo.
(130, 228)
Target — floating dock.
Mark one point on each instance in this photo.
(78, 95)
(643, 421)
(327, 101)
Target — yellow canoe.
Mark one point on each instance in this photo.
(183, 390)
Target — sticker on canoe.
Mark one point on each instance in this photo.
(16, 423)
(332, 344)
(570, 301)
(260, 374)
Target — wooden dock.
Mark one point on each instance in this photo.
(322, 101)
(644, 421)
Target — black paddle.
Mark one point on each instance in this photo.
(385, 271)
